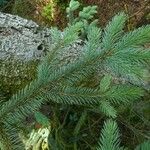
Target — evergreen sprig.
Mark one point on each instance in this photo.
(111, 51)
(110, 138)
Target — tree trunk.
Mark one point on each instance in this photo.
(22, 44)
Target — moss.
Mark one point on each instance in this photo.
(15, 75)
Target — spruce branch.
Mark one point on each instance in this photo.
(123, 94)
(113, 31)
(107, 109)
(144, 146)
(135, 38)
(110, 137)
(106, 50)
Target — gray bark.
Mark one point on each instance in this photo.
(22, 44)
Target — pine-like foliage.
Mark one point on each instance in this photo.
(143, 146)
(110, 138)
(119, 58)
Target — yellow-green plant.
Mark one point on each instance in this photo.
(48, 11)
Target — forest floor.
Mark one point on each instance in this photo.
(138, 11)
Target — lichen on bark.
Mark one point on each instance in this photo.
(15, 74)
(22, 44)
